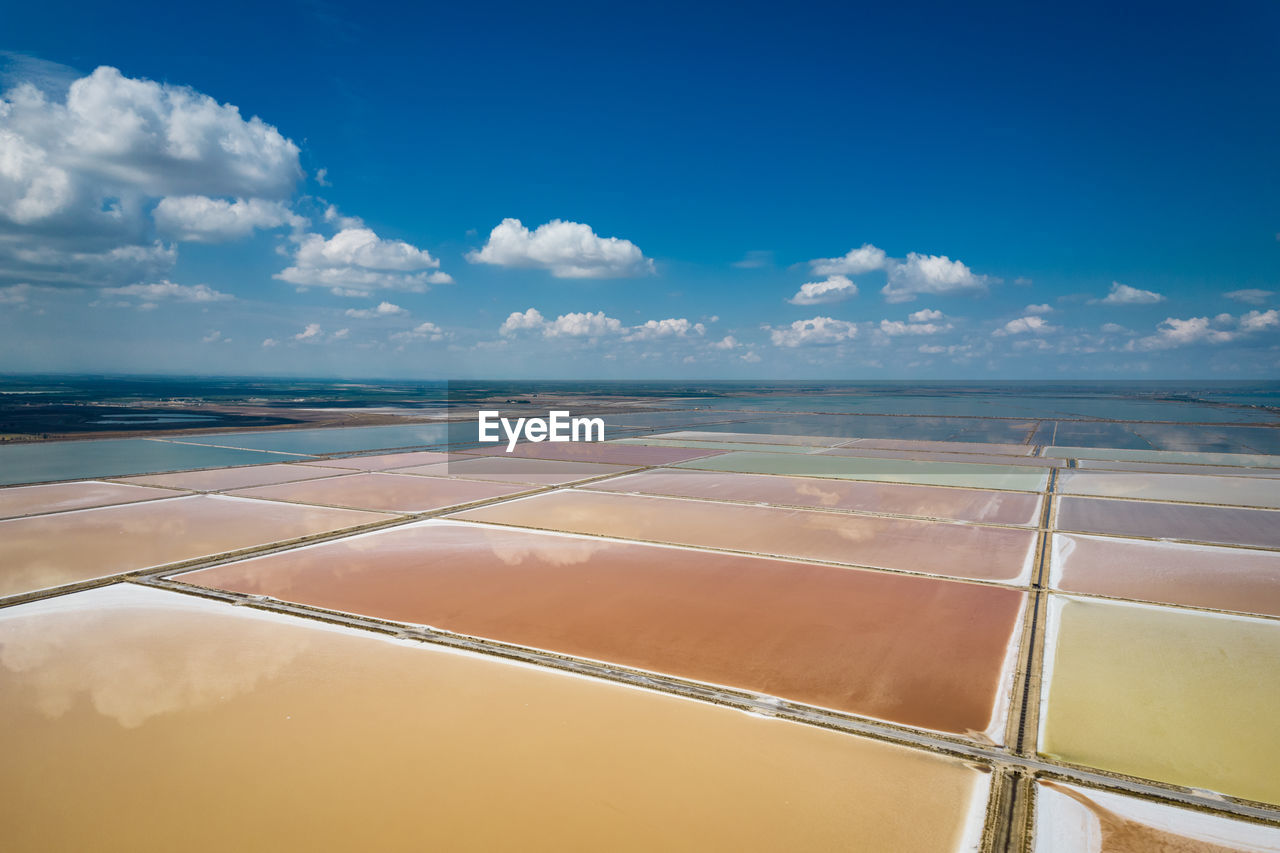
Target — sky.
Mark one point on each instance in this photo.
(659, 190)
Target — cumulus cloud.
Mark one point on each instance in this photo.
(836, 288)
(565, 249)
(1114, 329)
(857, 261)
(1045, 308)
(572, 325)
(167, 290)
(930, 274)
(383, 309)
(1250, 296)
(671, 327)
(750, 358)
(310, 333)
(357, 262)
(1173, 332)
(1256, 321)
(727, 342)
(81, 163)
(341, 221)
(1123, 294)
(519, 321)
(817, 331)
(597, 325)
(923, 322)
(1029, 324)
(421, 332)
(582, 325)
(200, 219)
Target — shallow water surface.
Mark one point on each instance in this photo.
(263, 732)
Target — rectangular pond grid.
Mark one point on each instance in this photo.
(574, 587)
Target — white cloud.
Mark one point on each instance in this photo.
(597, 325)
(1256, 321)
(1022, 325)
(582, 325)
(572, 325)
(341, 334)
(16, 294)
(813, 332)
(212, 337)
(727, 342)
(566, 249)
(925, 315)
(671, 327)
(383, 309)
(750, 358)
(79, 165)
(930, 274)
(170, 291)
(855, 262)
(1173, 332)
(1046, 308)
(340, 221)
(1250, 296)
(1123, 294)
(269, 343)
(310, 333)
(920, 324)
(421, 332)
(517, 321)
(123, 134)
(357, 262)
(1114, 329)
(201, 219)
(836, 288)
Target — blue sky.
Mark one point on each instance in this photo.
(603, 191)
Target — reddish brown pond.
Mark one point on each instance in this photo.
(916, 651)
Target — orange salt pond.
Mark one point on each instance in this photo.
(545, 472)
(145, 720)
(955, 550)
(219, 479)
(69, 547)
(888, 498)
(385, 492)
(18, 501)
